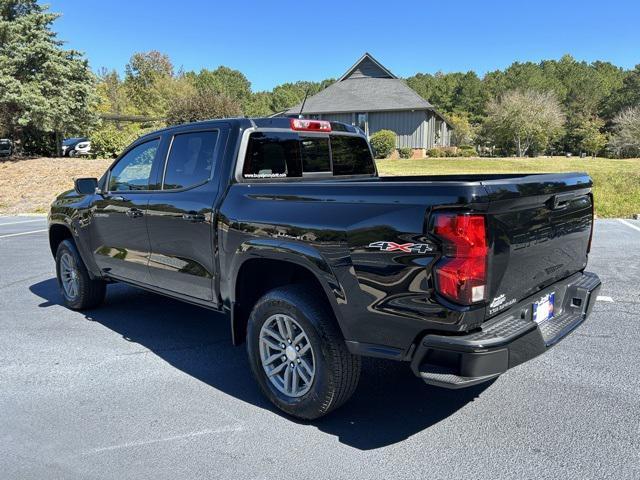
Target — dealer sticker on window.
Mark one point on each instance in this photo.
(543, 308)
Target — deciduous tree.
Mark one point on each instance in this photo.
(626, 132)
(525, 119)
(195, 106)
(149, 82)
(590, 136)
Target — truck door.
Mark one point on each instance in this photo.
(180, 214)
(118, 229)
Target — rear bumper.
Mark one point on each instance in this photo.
(511, 338)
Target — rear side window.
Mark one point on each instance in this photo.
(191, 160)
(351, 156)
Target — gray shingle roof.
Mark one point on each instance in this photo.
(364, 94)
(367, 86)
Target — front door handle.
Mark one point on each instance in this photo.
(134, 213)
(193, 217)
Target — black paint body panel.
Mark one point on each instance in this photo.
(384, 301)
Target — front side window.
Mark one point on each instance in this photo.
(133, 170)
(191, 160)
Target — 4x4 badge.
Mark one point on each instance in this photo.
(401, 247)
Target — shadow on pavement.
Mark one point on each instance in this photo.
(390, 404)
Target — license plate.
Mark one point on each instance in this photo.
(543, 308)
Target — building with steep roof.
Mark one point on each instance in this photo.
(370, 96)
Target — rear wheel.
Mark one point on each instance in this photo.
(78, 289)
(298, 355)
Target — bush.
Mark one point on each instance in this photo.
(108, 141)
(405, 152)
(433, 152)
(383, 143)
(442, 152)
(466, 151)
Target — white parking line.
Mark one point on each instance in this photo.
(226, 429)
(602, 298)
(22, 221)
(22, 233)
(631, 225)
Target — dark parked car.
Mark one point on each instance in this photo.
(284, 226)
(6, 147)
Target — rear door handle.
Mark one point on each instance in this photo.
(193, 217)
(134, 213)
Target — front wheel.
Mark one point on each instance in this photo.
(298, 355)
(78, 289)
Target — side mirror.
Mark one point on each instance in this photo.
(85, 186)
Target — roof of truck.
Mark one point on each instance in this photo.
(245, 122)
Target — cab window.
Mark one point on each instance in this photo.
(133, 170)
(286, 155)
(272, 155)
(191, 160)
(351, 156)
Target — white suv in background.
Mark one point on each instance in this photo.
(72, 147)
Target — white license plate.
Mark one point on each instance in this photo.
(543, 308)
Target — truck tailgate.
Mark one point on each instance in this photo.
(539, 231)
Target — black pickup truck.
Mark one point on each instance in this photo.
(284, 225)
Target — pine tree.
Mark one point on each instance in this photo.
(43, 87)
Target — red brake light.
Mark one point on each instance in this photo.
(310, 125)
(461, 274)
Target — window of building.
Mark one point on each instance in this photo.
(191, 160)
(361, 121)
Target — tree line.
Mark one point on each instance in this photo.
(48, 92)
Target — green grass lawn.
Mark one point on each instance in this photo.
(616, 183)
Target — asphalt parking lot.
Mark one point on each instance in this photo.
(148, 387)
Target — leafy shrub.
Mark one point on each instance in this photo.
(383, 143)
(466, 151)
(441, 152)
(433, 152)
(108, 141)
(405, 152)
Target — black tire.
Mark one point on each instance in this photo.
(90, 292)
(337, 371)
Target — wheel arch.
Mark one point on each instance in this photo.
(65, 228)
(262, 266)
(59, 232)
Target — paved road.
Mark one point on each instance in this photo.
(147, 387)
